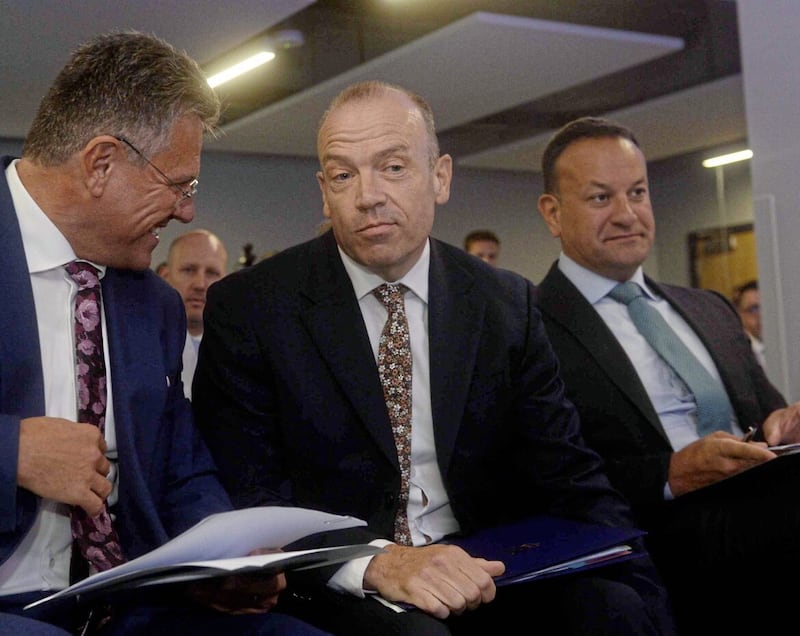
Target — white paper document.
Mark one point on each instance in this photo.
(785, 449)
(219, 545)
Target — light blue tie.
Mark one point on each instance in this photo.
(714, 412)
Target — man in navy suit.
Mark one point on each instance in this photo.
(721, 512)
(289, 395)
(112, 156)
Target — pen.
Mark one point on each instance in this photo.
(749, 433)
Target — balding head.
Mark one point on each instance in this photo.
(196, 259)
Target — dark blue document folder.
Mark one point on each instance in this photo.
(542, 546)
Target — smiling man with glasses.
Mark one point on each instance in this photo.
(78, 211)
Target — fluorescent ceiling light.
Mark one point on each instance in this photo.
(730, 158)
(242, 67)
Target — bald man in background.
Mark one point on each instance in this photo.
(196, 259)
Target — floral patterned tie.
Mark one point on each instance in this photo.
(394, 368)
(95, 536)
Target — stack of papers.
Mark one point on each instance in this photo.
(785, 449)
(219, 545)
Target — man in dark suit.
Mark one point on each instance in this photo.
(82, 194)
(720, 511)
(289, 396)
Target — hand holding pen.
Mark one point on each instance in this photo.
(749, 434)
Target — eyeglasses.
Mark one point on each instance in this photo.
(186, 193)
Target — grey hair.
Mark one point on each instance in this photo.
(126, 84)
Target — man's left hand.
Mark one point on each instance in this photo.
(251, 593)
(783, 426)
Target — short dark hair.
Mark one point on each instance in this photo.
(577, 129)
(480, 235)
(124, 84)
(740, 290)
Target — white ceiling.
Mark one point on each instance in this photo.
(476, 66)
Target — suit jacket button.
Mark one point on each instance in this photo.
(390, 498)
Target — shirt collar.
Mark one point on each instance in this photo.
(593, 286)
(46, 248)
(364, 281)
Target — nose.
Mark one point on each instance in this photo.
(183, 210)
(370, 193)
(623, 210)
(199, 280)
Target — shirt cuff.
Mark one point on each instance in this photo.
(350, 577)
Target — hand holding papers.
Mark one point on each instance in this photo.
(218, 546)
(785, 449)
(543, 546)
(781, 449)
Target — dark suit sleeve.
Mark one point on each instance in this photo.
(717, 323)
(235, 403)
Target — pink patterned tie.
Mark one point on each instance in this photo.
(394, 368)
(94, 536)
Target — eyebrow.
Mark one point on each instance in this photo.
(603, 184)
(399, 149)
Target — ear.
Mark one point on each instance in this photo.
(442, 177)
(321, 181)
(98, 161)
(550, 209)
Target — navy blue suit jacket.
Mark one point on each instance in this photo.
(167, 480)
(288, 395)
(618, 418)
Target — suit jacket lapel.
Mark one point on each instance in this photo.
(21, 383)
(333, 319)
(705, 328)
(136, 361)
(566, 305)
(455, 319)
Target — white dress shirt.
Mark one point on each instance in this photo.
(758, 350)
(430, 516)
(190, 348)
(41, 561)
(672, 400)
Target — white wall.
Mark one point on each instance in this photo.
(770, 51)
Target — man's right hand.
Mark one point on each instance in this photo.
(438, 579)
(64, 461)
(712, 458)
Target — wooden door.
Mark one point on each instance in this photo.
(723, 258)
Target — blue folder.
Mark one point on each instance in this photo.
(543, 546)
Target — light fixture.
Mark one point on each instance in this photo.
(254, 61)
(265, 52)
(733, 157)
